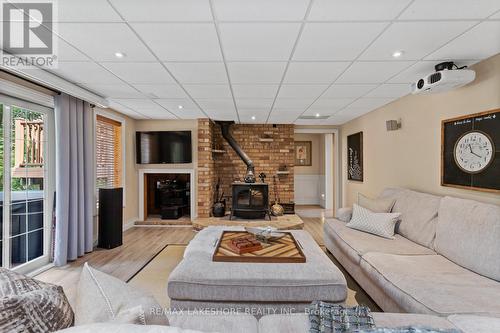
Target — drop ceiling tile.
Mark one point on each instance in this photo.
(342, 10)
(314, 72)
(372, 72)
(213, 104)
(335, 41)
(162, 11)
(222, 114)
(181, 41)
(256, 72)
(352, 112)
(158, 114)
(258, 41)
(190, 114)
(496, 16)
(348, 90)
(127, 111)
(302, 104)
(208, 90)
(329, 106)
(85, 72)
(140, 73)
(450, 9)
(161, 90)
(86, 11)
(138, 103)
(309, 122)
(114, 90)
(203, 72)
(254, 104)
(480, 42)
(178, 105)
(66, 52)
(301, 91)
(260, 10)
(284, 116)
(370, 103)
(100, 41)
(254, 91)
(247, 119)
(414, 72)
(338, 119)
(390, 90)
(415, 39)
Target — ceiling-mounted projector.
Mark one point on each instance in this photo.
(448, 76)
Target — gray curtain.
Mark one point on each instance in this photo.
(74, 179)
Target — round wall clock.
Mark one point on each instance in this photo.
(474, 151)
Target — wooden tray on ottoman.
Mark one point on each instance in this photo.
(282, 250)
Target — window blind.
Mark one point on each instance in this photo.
(108, 153)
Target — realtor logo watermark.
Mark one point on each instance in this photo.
(29, 34)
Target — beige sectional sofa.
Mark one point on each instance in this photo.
(444, 260)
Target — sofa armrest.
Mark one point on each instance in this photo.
(344, 214)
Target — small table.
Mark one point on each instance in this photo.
(200, 283)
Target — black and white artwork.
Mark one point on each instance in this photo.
(355, 157)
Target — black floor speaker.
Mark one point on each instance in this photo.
(110, 217)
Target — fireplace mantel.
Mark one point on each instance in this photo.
(143, 172)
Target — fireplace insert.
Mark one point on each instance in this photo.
(250, 200)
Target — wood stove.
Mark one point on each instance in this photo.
(250, 200)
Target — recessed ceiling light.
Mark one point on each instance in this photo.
(180, 106)
(119, 55)
(397, 54)
(253, 117)
(317, 115)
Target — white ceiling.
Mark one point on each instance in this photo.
(272, 60)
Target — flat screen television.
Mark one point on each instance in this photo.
(163, 147)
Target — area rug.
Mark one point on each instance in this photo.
(153, 278)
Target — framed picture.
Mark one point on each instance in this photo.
(303, 153)
(355, 157)
(470, 151)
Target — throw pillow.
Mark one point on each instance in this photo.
(344, 214)
(104, 298)
(379, 205)
(380, 224)
(408, 330)
(29, 305)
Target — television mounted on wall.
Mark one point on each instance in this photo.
(163, 147)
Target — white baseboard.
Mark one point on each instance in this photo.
(130, 223)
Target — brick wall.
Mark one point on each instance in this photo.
(228, 166)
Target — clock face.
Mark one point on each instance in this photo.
(474, 151)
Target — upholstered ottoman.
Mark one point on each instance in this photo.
(256, 288)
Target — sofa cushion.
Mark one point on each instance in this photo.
(198, 278)
(299, 322)
(432, 284)
(379, 205)
(344, 214)
(468, 233)
(222, 323)
(103, 298)
(475, 324)
(418, 215)
(356, 243)
(380, 224)
(29, 305)
(128, 328)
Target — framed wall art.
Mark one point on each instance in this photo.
(470, 151)
(355, 157)
(303, 153)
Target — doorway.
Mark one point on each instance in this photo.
(26, 186)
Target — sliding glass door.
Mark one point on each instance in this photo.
(26, 150)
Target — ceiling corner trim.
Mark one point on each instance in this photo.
(53, 81)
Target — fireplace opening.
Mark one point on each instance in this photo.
(167, 196)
